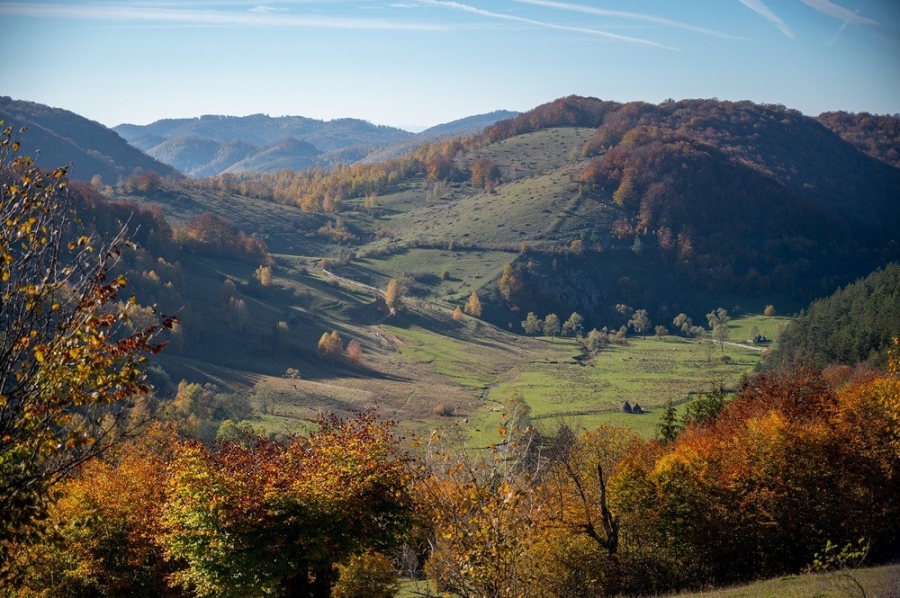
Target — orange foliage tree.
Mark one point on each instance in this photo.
(289, 512)
(101, 536)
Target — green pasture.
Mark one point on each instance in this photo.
(743, 328)
(460, 361)
(468, 270)
(648, 371)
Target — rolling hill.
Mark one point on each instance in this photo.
(65, 138)
(212, 144)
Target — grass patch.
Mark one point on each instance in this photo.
(877, 581)
(468, 270)
(458, 361)
(649, 371)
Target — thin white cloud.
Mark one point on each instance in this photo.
(266, 9)
(762, 10)
(204, 17)
(621, 14)
(828, 8)
(585, 30)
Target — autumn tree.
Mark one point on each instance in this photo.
(393, 293)
(684, 323)
(551, 325)
(595, 339)
(580, 514)
(574, 325)
(484, 173)
(457, 314)
(512, 286)
(331, 347)
(626, 195)
(640, 321)
(101, 535)
(473, 305)
(354, 351)
(517, 416)
(721, 333)
(68, 364)
(263, 275)
(366, 575)
(716, 317)
(482, 521)
(532, 324)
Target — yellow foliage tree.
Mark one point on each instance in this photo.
(331, 346)
(68, 363)
(473, 305)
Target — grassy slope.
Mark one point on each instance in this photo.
(878, 582)
(538, 203)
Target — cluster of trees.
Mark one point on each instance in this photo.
(748, 488)
(324, 190)
(214, 235)
(550, 325)
(159, 517)
(854, 324)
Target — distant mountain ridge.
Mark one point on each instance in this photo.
(213, 144)
(469, 123)
(64, 138)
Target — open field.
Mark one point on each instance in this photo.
(648, 371)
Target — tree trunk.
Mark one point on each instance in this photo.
(297, 585)
(324, 576)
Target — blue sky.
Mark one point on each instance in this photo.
(416, 63)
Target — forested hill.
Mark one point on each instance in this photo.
(876, 135)
(65, 138)
(855, 324)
